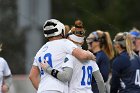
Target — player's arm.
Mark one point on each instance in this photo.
(7, 83)
(71, 48)
(34, 76)
(116, 70)
(7, 78)
(83, 55)
(100, 82)
(104, 67)
(115, 83)
(98, 77)
(64, 75)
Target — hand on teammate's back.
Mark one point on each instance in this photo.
(44, 65)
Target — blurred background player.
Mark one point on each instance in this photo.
(137, 45)
(80, 73)
(67, 29)
(54, 52)
(135, 33)
(100, 44)
(126, 66)
(5, 75)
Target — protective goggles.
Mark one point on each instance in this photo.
(91, 40)
(119, 42)
(81, 33)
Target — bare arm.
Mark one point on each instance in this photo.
(34, 76)
(100, 82)
(83, 55)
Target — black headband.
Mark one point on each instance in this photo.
(50, 31)
(50, 24)
(78, 32)
(78, 26)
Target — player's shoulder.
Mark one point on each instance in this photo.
(71, 57)
(59, 41)
(2, 60)
(62, 41)
(39, 51)
(102, 55)
(69, 61)
(92, 62)
(66, 41)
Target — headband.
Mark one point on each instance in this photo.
(76, 38)
(95, 34)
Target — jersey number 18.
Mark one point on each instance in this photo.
(86, 71)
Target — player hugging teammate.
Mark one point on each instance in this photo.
(64, 67)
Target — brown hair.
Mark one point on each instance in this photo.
(67, 29)
(78, 26)
(106, 43)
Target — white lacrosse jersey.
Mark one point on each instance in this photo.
(4, 70)
(82, 74)
(54, 52)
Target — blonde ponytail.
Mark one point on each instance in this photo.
(129, 45)
(125, 40)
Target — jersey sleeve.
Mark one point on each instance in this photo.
(94, 66)
(35, 62)
(69, 46)
(68, 62)
(7, 70)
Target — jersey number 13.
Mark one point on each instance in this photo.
(49, 56)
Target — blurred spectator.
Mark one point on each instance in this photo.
(137, 44)
(135, 33)
(126, 66)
